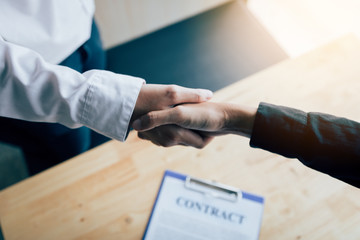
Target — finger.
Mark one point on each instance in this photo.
(178, 95)
(155, 119)
(144, 136)
(206, 138)
(171, 135)
(190, 138)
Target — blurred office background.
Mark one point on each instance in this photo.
(297, 25)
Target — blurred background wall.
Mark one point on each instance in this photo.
(297, 25)
(124, 20)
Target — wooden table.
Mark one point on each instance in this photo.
(108, 192)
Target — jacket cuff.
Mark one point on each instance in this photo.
(278, 129)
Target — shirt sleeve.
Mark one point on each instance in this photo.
(34, 90)
(323, 142)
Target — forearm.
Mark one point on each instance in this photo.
(34, 90)
(323, 142)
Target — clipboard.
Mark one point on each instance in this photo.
(195, 209)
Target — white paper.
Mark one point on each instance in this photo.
(181, 214)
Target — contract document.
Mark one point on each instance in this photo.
(195, 209)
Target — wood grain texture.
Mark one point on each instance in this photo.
(108, 192)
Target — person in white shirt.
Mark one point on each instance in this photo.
(49, 89)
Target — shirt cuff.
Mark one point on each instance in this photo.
(109, 102)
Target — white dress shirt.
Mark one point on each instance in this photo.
(53, 28)
(35, 36)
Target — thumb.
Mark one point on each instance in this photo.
(154, 119)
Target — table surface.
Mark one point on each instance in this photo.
(108, 192)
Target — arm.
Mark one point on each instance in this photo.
(323, 142)
(34, 90)
(326, 143)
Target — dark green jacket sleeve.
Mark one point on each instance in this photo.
(323, 142)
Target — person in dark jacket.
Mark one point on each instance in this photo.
(321, 141)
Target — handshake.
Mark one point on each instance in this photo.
(169, 115)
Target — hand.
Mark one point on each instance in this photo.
(172, 135)
(211, 118)
(159, 97)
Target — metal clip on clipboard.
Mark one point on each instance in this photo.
(213, 189)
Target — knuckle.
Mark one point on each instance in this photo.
(170, 139)
(166, 143)
(197, 95)
(178, 112)
(172, 92)
(201, 145)
(182, 118)
(148, 120)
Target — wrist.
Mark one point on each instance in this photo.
(239, 120)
